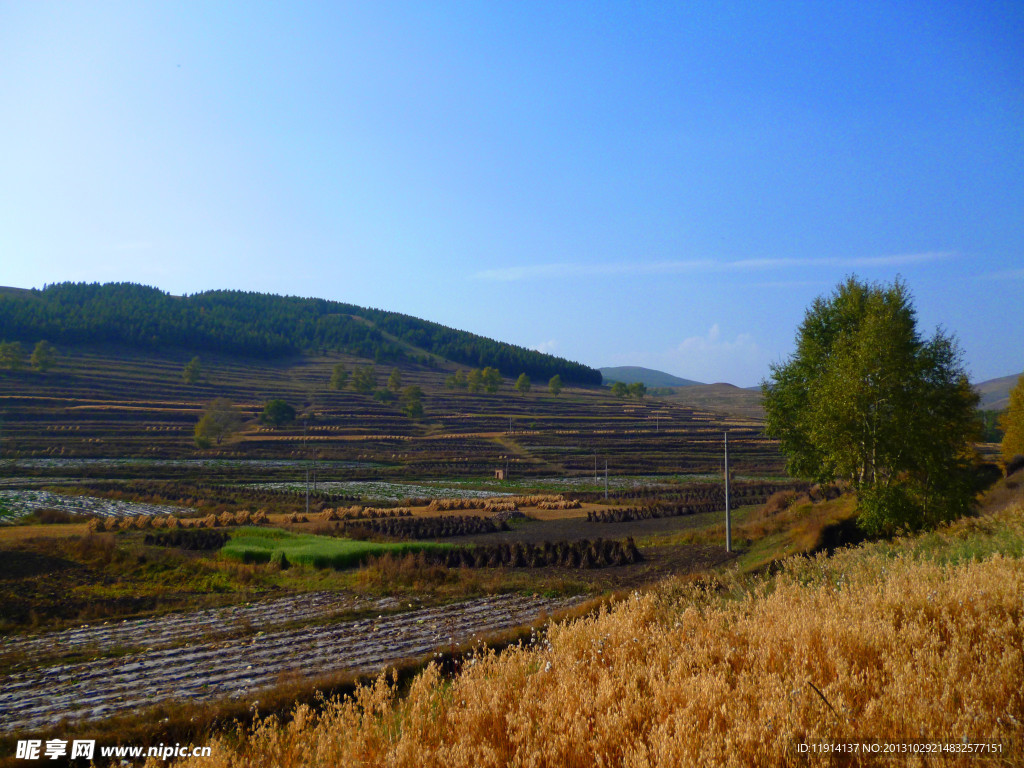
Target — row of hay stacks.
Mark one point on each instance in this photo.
(559, 504)
(170, 522)
(362, 513)
(505, 503)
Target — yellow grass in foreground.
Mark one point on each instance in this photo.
(899, 649)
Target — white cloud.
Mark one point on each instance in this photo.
(712, 358)
(568, 269)
(546, 346)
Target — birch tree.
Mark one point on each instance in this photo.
(866, 399)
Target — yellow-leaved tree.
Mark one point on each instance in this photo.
(1012, 423)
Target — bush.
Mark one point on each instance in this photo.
(778, 502)
(884, 510)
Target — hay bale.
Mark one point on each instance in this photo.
(172, 523)
(96, 525)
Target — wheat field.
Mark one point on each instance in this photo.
(885, 642)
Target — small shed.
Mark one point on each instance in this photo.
(499, 474)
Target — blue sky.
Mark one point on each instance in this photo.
(667, 185)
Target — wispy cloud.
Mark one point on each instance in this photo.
(570, 269)
(546, 346)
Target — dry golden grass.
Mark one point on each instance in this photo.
(12, 534)
(878, 643)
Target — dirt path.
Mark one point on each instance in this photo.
(241, 667)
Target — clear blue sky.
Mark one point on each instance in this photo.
(667, 185)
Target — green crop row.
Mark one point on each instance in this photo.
(254, 545)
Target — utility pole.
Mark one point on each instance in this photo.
(728, 521)
(595, 467)
(606, 478)
(306, 451)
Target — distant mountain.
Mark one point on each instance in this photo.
(257, 325)
(627, 374)
(995, 393)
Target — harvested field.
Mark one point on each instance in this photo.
(177, 628)
(19, 503)
(240, 668)
(378, 490)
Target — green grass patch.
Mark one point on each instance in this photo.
(257, 545)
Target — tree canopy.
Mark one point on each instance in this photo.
(866, 399)
(339, 376)
(522, 384)
(12, 357)
(277, 413)
(192, 371)
(220, 420)
(364, 380)
(412, 401)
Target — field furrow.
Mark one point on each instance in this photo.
(241, 667)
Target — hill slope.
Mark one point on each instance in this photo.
(255, 324)
(995, 393)
(720, 398)
(105, 401)
(627, 374)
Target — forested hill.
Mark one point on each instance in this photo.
(256, 324)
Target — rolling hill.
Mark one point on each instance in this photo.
(995, 393)
(257, 325)
(651, 378)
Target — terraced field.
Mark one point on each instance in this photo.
(110, 402)
(243, 666)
